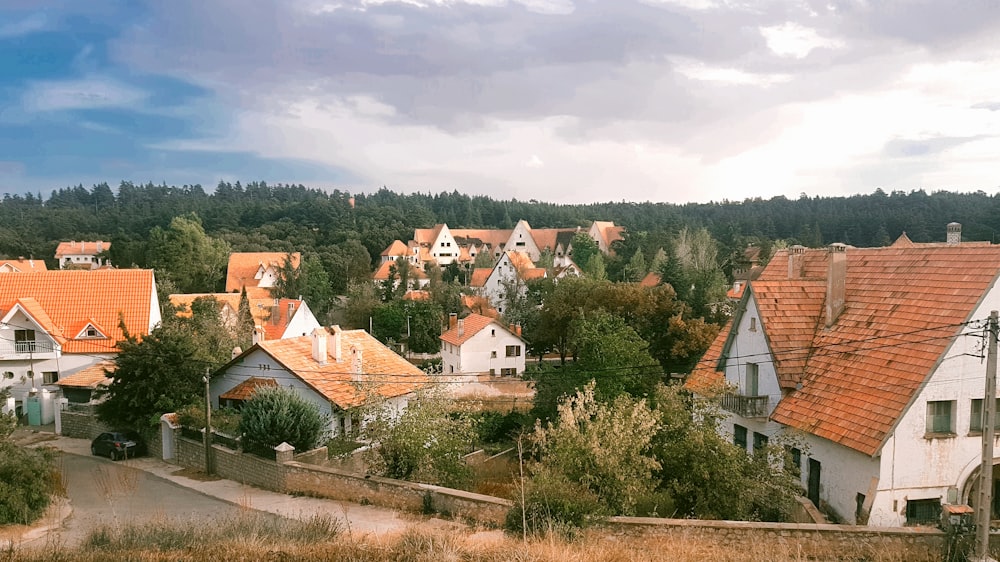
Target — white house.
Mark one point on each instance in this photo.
(22, 265)
(480, 344)
(257, 271)
(276, 318)
(332, 368)
(81, 255)
(873, 357)
(510, 268)
(55, 323)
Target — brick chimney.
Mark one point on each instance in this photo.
(319, 346)
(336, 343)
(356, 364)
(954, 237)
(452, 321)
(275, 313)
(461, 327)
(836, 281)
(795, 259)
(517, 330)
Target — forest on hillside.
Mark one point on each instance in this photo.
(262, 217)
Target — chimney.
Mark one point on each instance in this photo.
(319, 346)
(258, 334)
(836, 280)
(336, 345)
(100, 246)
(461, 327)
(83, 246)
(275, 313)
(356, 369)
(954, 234)
(517, 330)
(452, 321)
(795, 255)
(291, 311)
(350, 201)
(236, 352)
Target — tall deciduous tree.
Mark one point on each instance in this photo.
(191, 259)
(584, 248)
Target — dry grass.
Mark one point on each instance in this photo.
(251, 537)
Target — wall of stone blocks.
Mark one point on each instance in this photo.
(82, 425)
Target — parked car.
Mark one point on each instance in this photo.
(118, 445)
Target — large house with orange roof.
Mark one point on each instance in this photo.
(337, 370)
(443, 245)
(510, 271)
(55, 323)
(274, 319)
(82, 255)
(257, 271)
(22, 265)
(479, 344)
(874, 358)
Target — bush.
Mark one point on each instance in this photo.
(274, 415)
(553, 504)
(28, 478)
(226, 420)
(495, 427)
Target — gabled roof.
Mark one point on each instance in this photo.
(383, 371)
(243, 267)
(262, 309)
(81, 248)
(471, 325)
(903, 308)
(382, 273)
(396, 249)
(651, 279)
(245, 390)
(479, 276)
(22, 266)
(70, 297)
(480, 305)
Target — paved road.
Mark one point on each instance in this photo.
(104, 492)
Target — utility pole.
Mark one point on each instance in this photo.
(208, 425)
(985, 499)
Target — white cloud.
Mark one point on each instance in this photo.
(86, 93)
(699, 71)
(26, 26)
(793, 40)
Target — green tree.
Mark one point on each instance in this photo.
(584, 248)
(484, 259)
(636, 268)
(28, 478)
(184, 253)
(611, 353)
(245, 323)
(594, 267)
(276, 415)
(424, 444)
(362, 299)
(309, 282)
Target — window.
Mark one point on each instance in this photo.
(976, 416)
(753, 324)
(513, 351)
(8, 375)
(740, 436)
(508, 372)
(793, 460)
(50, 377)
(759, 442)
(24, 341)
(493, 354)
(923, 512)
(753, 380)
(493, 333)
(940, 416)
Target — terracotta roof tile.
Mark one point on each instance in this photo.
(243, 267)
(90, 377)
(396, 249)
(904, 306)
(22, 266)
(651, 279)
(480, 276)
(383, 370)
(382, 273)
(471, 325)
(245, 390)
(81, 248)
(69, 297)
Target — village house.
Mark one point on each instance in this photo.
(510, 272)
(479, 344)
(337, 370)
(274, 319)
(56, 323)
(257, 271)
(22, 265)
(873, 359)
(416, 278)
(82, 255)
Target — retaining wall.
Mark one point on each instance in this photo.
(82, 425)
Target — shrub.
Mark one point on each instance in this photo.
(553, 504)
(226, 420)
(496, 427)
(28, 478)
(275, 415)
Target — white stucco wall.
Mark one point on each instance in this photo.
(750, 346)
(476, 354)
(444, 249)
(303, 322)
(520, 240)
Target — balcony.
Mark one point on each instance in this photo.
(26, 348)
(746, 406)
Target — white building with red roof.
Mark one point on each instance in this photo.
(479, 344)
(82, 255)
(874, 358)
(55, 323)
(257, 271)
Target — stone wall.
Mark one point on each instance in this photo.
(316, 456)
(915, 544)
(232, 465)
(82, 425)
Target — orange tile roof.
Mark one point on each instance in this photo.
(382, 273)
(261, 309)
(471, 325)
(651, 279)
(245, 390)
(520, 260)
(243, 267)
(415, 295)
(90, 377)
(859, 375)
(70, 297)
(480, 305)
(81, 248)
(387, 373)
(396, 249)
(22, 266)
(479, 276)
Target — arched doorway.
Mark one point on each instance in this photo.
(970, 489)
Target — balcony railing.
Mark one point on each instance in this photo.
(746, 406)
(26, 347)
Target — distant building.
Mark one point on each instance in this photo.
(82, 255)
(22, 265)
(257, 271)
(480, 344)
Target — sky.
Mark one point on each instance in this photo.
(567, 101)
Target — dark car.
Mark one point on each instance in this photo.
(118, 445)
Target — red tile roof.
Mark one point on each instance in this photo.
(243, 267)
(90, 377)
(245, 390)
(904, 306)
(479, 276)
(396, 249)
(651, 279)
(22, 266)
(64, 299)
(382, 273)
(383, 370)
(471, 325)
(81, 248)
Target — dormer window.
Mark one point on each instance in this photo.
(90, 332)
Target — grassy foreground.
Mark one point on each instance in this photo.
(255, 537)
